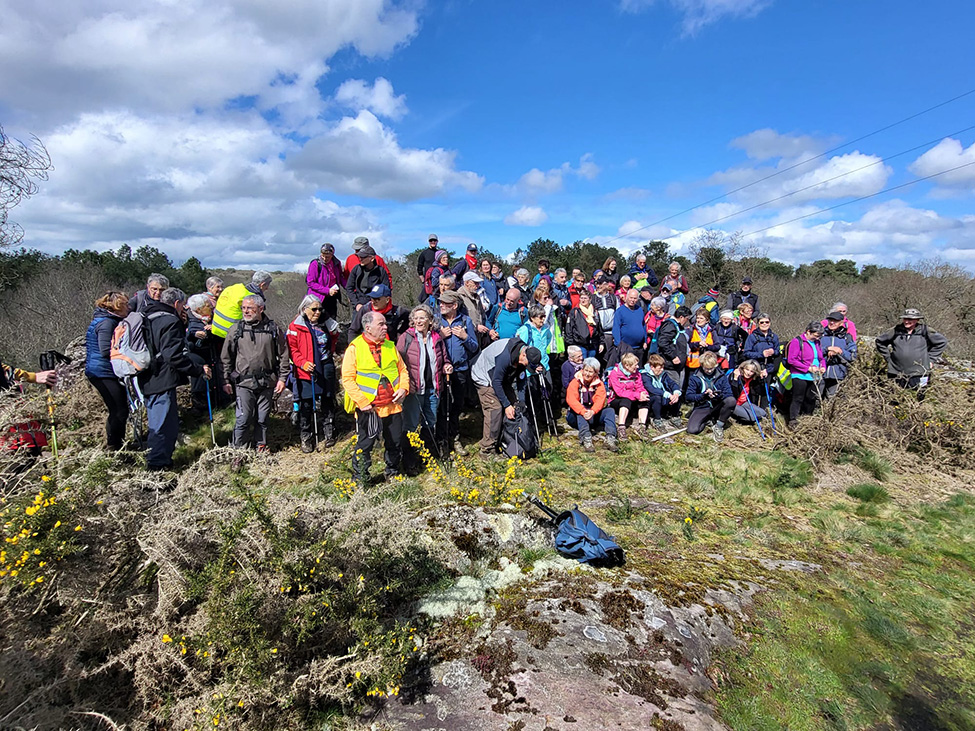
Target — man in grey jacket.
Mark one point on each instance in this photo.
(909, 349)
(254, 359)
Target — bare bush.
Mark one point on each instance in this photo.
(49, 311)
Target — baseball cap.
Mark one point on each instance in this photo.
(366, 251)
(450, 296)
(912, 314)
(836, 316)
(746, 280)
(359, 242)
(534, 356)
(432, 237)
(472, 247)
(380, 290)
(472, 277)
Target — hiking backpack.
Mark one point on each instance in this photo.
(428, 279)
(580, 538)
(518, 437)
(132, 350)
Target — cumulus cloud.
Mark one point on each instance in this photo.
(165, 57)
(361, 156)
(946, 155)
(378, 99)
(699, 13)
(766, 144)
(526, 216)
(537, 182)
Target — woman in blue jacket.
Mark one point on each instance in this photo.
(763, 346)
(109, 311)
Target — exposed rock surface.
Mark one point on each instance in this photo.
(564, 646)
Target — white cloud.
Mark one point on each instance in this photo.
(526, 216)
(946, 155)
(361, 156)
(766, 144)
(699, 13)
(378, 99)
(537, 182)
(166, 57)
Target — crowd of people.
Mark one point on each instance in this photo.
(621, 351)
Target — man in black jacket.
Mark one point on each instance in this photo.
(381, 301)
(170, 367)
(364, 276)
(425, 260)
(672, 343)
(745, 294)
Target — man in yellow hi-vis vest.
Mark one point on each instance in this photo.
(227, 313)
(376, 382)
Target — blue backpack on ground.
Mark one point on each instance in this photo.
(580, 538)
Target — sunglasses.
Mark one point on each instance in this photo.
(315, 309)
(764, 322)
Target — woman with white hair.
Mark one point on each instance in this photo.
(586, 398)
(311, 342)
(203, 347)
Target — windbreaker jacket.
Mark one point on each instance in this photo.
(98, 342)
(303, 349)
(838, 365)
(757, 343)
(255, 355)
(578, 392)
(800, 353)
(171, 365)
(622, 385)
(578, 332)
(672, 343)
(910, 354)
(321, 278)
(698, 385)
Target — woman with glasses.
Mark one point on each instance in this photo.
(805, 358)
(762, 346)
(311, 341)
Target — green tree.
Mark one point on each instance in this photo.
(541, 249)
(191, 276)
(589, 257)
(658, 256)
(763, 266)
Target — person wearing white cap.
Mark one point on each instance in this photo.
(909, 349)
(478, 306)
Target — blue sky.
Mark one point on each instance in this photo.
(246, 133)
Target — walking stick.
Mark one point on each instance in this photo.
(531, 407)
(771, 411)
(314, 408)
(751, 408)
(213, 434)
(550, 427)
(669, 434)
(54, 430)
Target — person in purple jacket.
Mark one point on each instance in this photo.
(325, 280)
(805, 358)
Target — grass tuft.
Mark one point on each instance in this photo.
(869, 492)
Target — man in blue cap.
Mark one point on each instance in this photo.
(380, 300)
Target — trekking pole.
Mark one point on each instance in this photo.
(314, 408)
(213, 434)
(751, 408)
(669, 434)
(54, 430)
(771, 411)
(550, 425)
(543, 507)
(531, 407)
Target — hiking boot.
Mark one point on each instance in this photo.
(611, 444)
(718, 431)
(308, 444)
(659, 425)
(328, 438)
(389, 474)
(262, 449)
(459, 448)
(640, 431)
(792, 425)
(677, 422)
(587, 445)
(621, 432)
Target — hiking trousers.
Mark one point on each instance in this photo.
(253, 408)
(493, 419)
(163, 419)
(113, 394)
(702, 413)
(368, 427)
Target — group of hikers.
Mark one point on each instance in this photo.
(620, 351)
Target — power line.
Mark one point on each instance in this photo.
(827, 180)
(793, 166)
(857, 200)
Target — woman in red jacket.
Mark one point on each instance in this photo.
(311, 341)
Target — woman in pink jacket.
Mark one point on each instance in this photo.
(626, 390)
